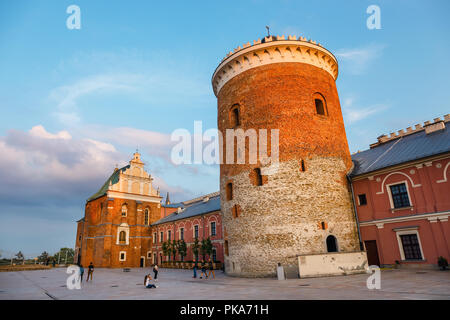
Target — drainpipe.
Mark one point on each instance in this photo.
(356, 212)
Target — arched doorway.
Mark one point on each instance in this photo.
(331, 244)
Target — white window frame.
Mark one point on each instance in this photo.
(126, 228)
(193, 231)
(124, 256)
(407, 231)
(388, 187)
(210, 228)
(179, 233)
(126, 211)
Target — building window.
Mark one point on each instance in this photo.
(411, 247)
(162, 237)
(362, 199)
(400, 196)
(214, 254)
(122, 256)
(229, 191)
(149, 254)
(195, 231)
(213, 228)
(234, 116)
(181, 233)
(302, 166)
(169, 235)
(146, 217)
(331, 244)
(122, 237)
(124, 210)
(155, 238)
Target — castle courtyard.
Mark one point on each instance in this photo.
(179, 284)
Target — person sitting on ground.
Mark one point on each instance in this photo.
(147, 281)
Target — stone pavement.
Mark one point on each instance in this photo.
(179, 284)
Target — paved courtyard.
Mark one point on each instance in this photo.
(179, 284)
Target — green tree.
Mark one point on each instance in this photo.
(166, 248)
(43, 257)
(206, 248)
(182, 249)
(196, 249)
(20, 256)
(174, 249)
(64, 255)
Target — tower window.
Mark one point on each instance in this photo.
(235, 116)
(302, 166)
(229, 191)
(226, 247)
(320, 108)
(257, 177)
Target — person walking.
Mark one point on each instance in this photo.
(211, 269)
(195, 268)
(81, 272)
(203, 266)
(155, 271)
(90, 271)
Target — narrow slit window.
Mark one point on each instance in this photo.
(258, 177)
(229, 191)
(235, 116)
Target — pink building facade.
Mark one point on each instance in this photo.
(198, 218)
(401, 188)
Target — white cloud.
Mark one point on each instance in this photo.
(357, 60)
(354, 114)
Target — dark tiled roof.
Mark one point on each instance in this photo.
(195, 209)
(404, 149)
(114, 178)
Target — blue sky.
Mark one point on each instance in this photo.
(76, 102)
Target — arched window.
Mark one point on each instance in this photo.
(229, 191)
(321, 106)
(331, 244)
(122, 236)
(235, 116)
(124, 210)
(146, 217)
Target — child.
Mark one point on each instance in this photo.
(155, 272)
(211, 269)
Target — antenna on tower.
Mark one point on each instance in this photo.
(268, 31)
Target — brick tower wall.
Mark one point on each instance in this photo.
(283, 218)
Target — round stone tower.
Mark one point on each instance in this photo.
(303, 207)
